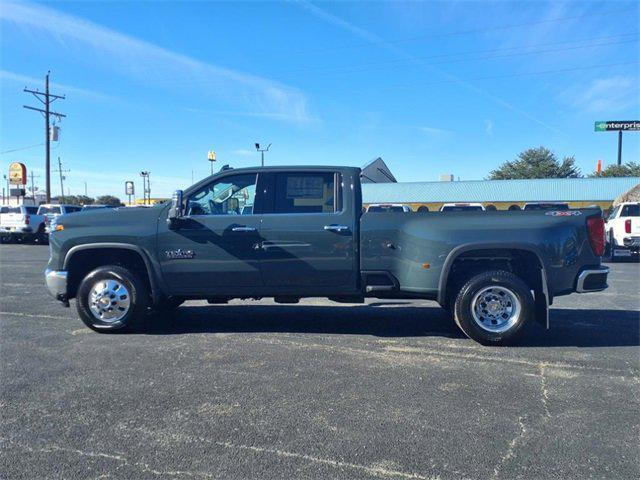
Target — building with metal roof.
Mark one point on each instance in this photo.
(502, 194)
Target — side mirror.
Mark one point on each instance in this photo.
(175, 211)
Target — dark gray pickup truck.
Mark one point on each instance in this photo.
(293, 232)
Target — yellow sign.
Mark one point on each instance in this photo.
(17, 173)
(211, 156)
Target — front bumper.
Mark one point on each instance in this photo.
(56, 281)
(592, 280)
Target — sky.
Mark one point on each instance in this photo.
(431, 87)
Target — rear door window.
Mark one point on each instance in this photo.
(305, 192)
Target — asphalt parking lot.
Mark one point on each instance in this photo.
(249, 390)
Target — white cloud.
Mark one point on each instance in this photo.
(149, 63)
(604, 95)
(36, 83)
(488, 127)
(243, 152)
(435, 132)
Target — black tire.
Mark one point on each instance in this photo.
(136, 292)
(41, 236)
(509, 290)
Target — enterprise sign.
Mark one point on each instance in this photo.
(617, 125)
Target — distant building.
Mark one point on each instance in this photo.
(501, 194)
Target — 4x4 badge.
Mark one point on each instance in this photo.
(179, 254)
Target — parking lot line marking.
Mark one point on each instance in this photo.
(431, 352)
(375, 471)
(144, 467)
(29, 315)
(511, 448)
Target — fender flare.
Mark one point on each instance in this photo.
(460, 249)
(152, 274)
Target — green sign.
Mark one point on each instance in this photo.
(609, 126)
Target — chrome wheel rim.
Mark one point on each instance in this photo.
(109, 301)
(495, 309)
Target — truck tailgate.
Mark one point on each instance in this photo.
(11, 221)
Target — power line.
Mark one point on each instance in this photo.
(46, 98)
(357, 68)
(23, 148)
(524, 74)
(466, 32)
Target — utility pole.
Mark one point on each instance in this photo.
(46, 99)
(262, 151)
(62, 177)
(85, 189)
(33, 186)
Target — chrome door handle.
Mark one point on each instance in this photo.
(243, 229)
(336, 228)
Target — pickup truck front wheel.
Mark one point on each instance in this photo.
(111, 298)
(493, 307)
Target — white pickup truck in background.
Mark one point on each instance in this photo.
(623, 231)
(22, 223)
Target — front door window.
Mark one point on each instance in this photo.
(232, 195)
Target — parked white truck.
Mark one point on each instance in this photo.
(623, 231)
(22, 223)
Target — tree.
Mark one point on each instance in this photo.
(631, 169)
(76, 200)
(84, 200)
(536, 163)
(109, 200)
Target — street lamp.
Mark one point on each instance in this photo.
(262, 150)
(146, 187)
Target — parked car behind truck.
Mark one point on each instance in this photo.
(22, 223)
(53, 211)
(623, 231)
(306, 236)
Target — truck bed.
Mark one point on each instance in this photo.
(416, 247)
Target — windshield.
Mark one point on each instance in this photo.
(461, 208)
(546, 206)
(13, 210)
(630, 211)
(48, 210)
(385, 208)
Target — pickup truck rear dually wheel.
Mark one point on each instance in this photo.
(493, 307)
(111, 298)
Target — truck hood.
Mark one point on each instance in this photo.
(116, 217)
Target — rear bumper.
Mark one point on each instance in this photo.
(631, 242)
(592, 280)
(15, 230)
(56, 281)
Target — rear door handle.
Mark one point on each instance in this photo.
(243, 229)
(336, 228)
